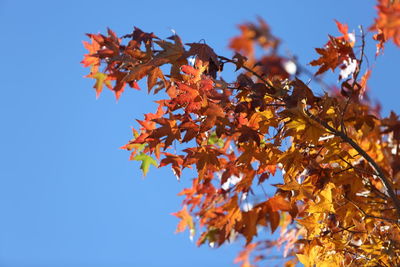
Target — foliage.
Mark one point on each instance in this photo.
(337, 157)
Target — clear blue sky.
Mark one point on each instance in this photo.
(68, 194)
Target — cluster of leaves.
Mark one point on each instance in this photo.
(337, 157)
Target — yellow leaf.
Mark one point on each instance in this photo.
(324, 201)
(304, 259)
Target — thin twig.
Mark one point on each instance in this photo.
(378, 170)
(354, 167)
(249, 70)
(350, 231)
(369, 215)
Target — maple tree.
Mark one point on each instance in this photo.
(337, 158)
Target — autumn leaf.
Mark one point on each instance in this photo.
(343, 28)
(138, 72)
(278, 203)
(154, 74)
(243, 43)
(336, 51)
(168, 129)
(90, 59)
(387, 24)
(253, 34)
(171, 52)
(324, 201)
(273, 67)
(250, 220)
(244, 255)
(335, 159)
(304, 259)
(239, 60)
(146, 162)
(101, 79)
(202, 52)
(175, 161)
(138, 37)
(186, 221)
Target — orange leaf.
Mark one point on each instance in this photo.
(336, 51)
(278, 203)
(387, 25)
(186, 221)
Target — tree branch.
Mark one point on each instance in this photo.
(378, 170)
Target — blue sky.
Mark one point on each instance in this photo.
(68, 194)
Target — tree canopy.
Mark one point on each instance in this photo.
(335, 156)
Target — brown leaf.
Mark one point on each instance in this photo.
(154, 74)
(202, 52)
(138, 72)
(239, 60)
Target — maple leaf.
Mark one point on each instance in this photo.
(278, 203)
(188, 97)
(202, 52)
(149, 123)
(101, 79)
(232, 216)
(343, 28)
(120, 83)
(168, 129)
(336, 51)
(90, 59)
(324, 202)
(387, 25)
(153, 75)
(194, 73)
(338, 160)
(244, 255)
(243, 43)
(273, 67)
(392, 125)
(138, 72)
(205, 55)
(248, 134)
(249, 220)
(146, 162)
(300, 92)
(302, 191)
(175, 161)
(205, 156)
(186, 221)
(171, 52)
(213, 112)
(253, 34)
(192, 130)
(138, 37)
(363, 83)
(239, 60)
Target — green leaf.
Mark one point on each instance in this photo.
(214, 140)
(146, 162)
(100, 80)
